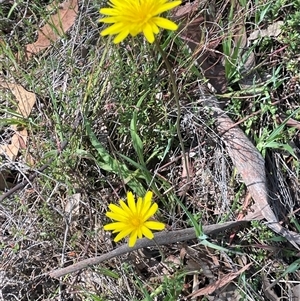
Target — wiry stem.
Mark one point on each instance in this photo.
(176, 96)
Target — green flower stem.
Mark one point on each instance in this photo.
(176, 96)
(160, 250)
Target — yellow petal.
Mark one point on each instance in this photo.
(154, 225)
(116, 209)
(132, 218)
(118, 226)
(154, 27)
(121, 36)
(147, 214)
(131, 202)
(134, 30)
(148, 33)
(165, 23)
(139, 232)
(113, 29)
(147, 233)
(167, 6)
(122, 234)
(109, 11)
(125, 208)
(134, 17)
(117, 217)
(148, 197)
(109, 20)
(116, 3)
(139, 205)
(132, 238)
(146, 203)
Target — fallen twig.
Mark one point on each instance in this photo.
(160, 238)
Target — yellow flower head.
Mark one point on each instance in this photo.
(132, 219)
(137, 16)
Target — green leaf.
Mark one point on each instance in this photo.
(110, 164)
(196, 225)
(136, 140)
(108, 273)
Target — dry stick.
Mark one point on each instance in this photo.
(251, 166)
(32, 176)
(160, 238)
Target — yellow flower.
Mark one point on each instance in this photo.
(137, 16)
(132, 219)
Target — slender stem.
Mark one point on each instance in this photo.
(176, 96)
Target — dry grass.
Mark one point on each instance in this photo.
(57, 218)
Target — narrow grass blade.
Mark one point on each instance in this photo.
(108, 163)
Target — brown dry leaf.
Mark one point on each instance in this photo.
(219, 283)
(22, 136)
(56, 26)
(25, 101)
(11, 150)
(273, 30)
(72, 207)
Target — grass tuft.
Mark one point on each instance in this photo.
(106, 121)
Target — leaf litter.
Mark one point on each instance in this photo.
(245, 156)
(57, 25)
(238, 145)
